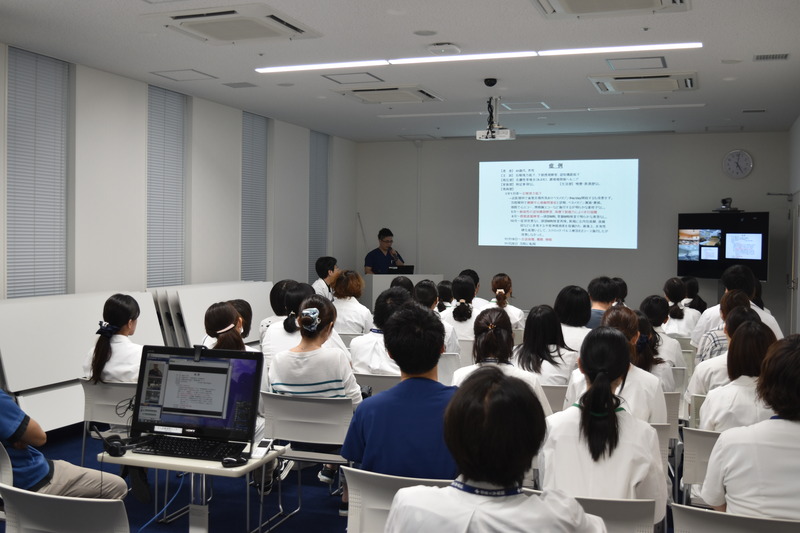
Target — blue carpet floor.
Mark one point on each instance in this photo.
(320, 511)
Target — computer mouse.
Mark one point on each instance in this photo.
(230, 462)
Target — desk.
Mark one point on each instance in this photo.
(198, 506)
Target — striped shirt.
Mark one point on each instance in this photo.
(321, 373)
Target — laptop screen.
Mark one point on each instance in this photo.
(213, 394)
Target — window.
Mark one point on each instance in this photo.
(38, 97)
(254, 197)
(165, 187)
(317, 201)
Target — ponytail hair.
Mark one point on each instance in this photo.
(646, 354)
(604, 359)
(315, 314)
(675, 291)
(295, 294)
(494, 337)
(463, 293)
(221, 323)
(501, 287)
(118, 310)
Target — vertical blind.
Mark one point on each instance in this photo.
(165, 187)
(254, 198)
(38, 96)
(317, 201)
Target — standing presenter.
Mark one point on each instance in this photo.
(384, 256)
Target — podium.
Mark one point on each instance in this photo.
(375, 284)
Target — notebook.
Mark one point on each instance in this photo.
(197, 399)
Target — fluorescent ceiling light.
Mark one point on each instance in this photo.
(473, 57)
(618, 49)
(324, 66)
(467, 57)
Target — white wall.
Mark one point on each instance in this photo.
(287, 197)
(214, 193)
(678, 173)
(3, 163)
(342, 203)
(109, 180)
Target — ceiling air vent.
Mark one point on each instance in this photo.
(390, 95)
(771, 57)
(249, 22)
(644, 83)
(589, 8)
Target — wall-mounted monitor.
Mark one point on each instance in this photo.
(708, 243)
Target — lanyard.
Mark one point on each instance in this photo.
(375, 330)
(494, 493)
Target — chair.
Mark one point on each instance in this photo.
(448, 363)
(622, 516)
(518, 335)
(6, 474)
(697, 446)
(299, 419)
(673, 401)
(371, 495)
(347, 337)
(378, 382)
(465, 348)
(696, 520)
(679, 376)
(102, 402)
(32, 512)
(694, 415)
(689, 359)
(663, 432)
(555, 395)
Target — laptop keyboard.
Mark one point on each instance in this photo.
(191, 448)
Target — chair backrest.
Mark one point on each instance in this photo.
(465, 348)
(371, 494)
(6, 472)
(673, 401)
(679, 376)
(663, 431)
(301, 419)
(32, 512)
(694, 416)
(378, 382)
(448, 364)
(518, 336)
(347, 337)
(697, 446)
(555, 395)
(102, 400)
(696, 520)
(622, 516)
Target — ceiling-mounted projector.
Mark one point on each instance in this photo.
(496, 134)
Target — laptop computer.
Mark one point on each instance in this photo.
(196, 402)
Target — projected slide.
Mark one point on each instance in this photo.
(575, 204)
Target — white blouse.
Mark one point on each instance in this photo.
(733, 405)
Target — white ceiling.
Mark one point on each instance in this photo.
(129, 37)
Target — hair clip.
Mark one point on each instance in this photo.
(499, 291)
(223, 330)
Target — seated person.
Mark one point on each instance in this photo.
(493, 426)
(327, 270)
(503, 291)
(657, 309)
(603, 294)
(641, 391)
(276, 301)
(115, 358)
(427, 295)
(574, 309)
(595, 448)
(713, 373)
(404, 282)
(19, 434)
(368, 352)
(399, 431)
(494, 345)
(682, 319)
(462, 314)
(478, 303)
(352, 316)
(543, 350)
(715, 342)
(753, 470)
(736, 404)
